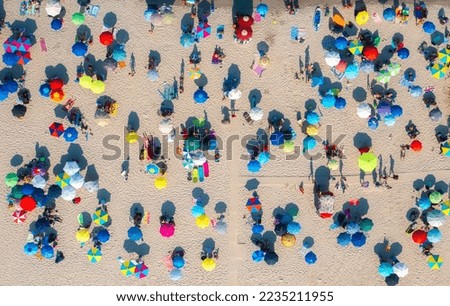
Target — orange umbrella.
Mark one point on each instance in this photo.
(339, 20)
(341, 66)
(57, 95)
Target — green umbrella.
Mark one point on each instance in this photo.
(199, 122)
(384, 76)
(376, 41)
(16, 192)
(366, 224)
(78, 18)
(435, 197)
(192, 144)
(367, 162)
(394, 69)
(288, 146)
(11, 179)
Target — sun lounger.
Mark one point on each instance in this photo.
(195, 175)
(247, 118)
(201, 174)
(93, 10)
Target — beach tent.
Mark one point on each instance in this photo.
(338, 20)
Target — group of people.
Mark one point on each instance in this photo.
(30, 7)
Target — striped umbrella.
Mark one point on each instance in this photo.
(19, 216)
(355, 47)
(94, 255)
(444, 55)
(100, 217)
(141, 271)
(62, 180)
(438, 71)
(128, 268)
(435, 262)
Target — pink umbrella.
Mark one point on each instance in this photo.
(167, 230)
(141, 271)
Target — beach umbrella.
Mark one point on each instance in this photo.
(341, 43)
(392, 280)
(343, 239)
(385, 269)
(148, 14)
(401, 269)
(438, 70)
(28, 203)
(396, 111)
(10, 59)
(168, 18)
(109, 64)
(83, 235)
(389, 14)
(264, 61)
(257, 228)
(339, 20)
(446, 148)
(367, 66)
(444, 56)
(262, 9)
(419, 236)
(326, 205)
(234, 94)
(54, 191)
(44, 90)
(445, 207)
(352, 71)
(78, 18)
(85, 81)
(19, 111)
(277, 139)
(435, 114)
(47, 251)
(435, 262)
(200, 96)
(208, 264)
(103, 235)
(370, 52)
(187, 40)
(362, 17)
(312, 117)
(106, 38)
(194, 73)
(197, 211)
(152, 169)
(245, 21)
(394, 68)
(389, 120)
(70, 134)
(358, 239)
(62, 179)
(166, 126)
(27, 189)
(127, 268)
(94, 255)
(56, 129)
(202, 221)
(258, 256)
(98, 86)
(288, 146)
(156, 19)
(167, 230)
(23, 43)
(352, 228)
(3, 93)
(288, 240)
(437, 38)
(11, 86)
(153, 75)
(19, 216)
(341, 66)
(11, 179)
(141, 271)
(53, 8)
(366, 225)
(256, 113)
(383, 77)
(119, 54)
(416, 145)
(328, 101)
(68, 193)
(271, 258)
(340, 103)
(244, 34)
(355, 47)
(203, 30)
(312, 130)
(310, 258)
(367, 162)
(56, 24)
(71, 167)
(132, 137)
(309, 143)
(333, 164)
(424, 203)
(373, 123)
(134, 233)
(79, 49)
(294, 228)
(175, 274)
(9, 45)
(332, 58)
(16, 192)
(30, 248)
(188, 164)
(434, 235)
(435, 218)
(221, 227)
(428, 27)
(403, 53)
(384, 109)
(416, 91)
(178, 262)
(100, 217)
(42, 225)
(38, 182)
(160, 182)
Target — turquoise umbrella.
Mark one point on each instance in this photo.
(385, 269)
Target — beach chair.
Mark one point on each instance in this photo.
(93, 10)
(248, 118)
(257, 69)
(339, 75)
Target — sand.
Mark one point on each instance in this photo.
(281, 92)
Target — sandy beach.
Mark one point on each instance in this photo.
(224, 191)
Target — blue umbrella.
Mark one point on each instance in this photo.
(352, 228)
(437, 38)
(70, 134)
(27, 189)
(103, 235)
(403, 53)
(317, 81)
(389, 120)
(358, 239)
(148, 14)
(367, 66)
(310, 258)
(434, 235)
(119, 54)
(200, 96)
(392, 279)
(384, 109)
(10, 59)
(372, 123)
(428, 27)
(258, 256)
(197, 211)
(340, 103)
(42, 225)
(285, 219)
(341, 43)
(277, 138)
(47, 251)
(416, 91)
(294, 228)
(271, 258)
(424, 203)
(30, 248)
(79, 49)
(385, 269)
(254, 166)
(40, 197)
(44, 90)
(352, 71)
(328, 101)
(262, 9)
(187, 40)
(343, 239)
(175, 274)
(56, 24)
(54, 191)
(389, 14)
(11, 86)
(3, 93)
(264, 158)
(396, 111)
(178, 262)
(135, 233)
(257, 229)
(312, 117)
(309, 143)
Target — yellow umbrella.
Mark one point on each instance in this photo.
(312, 130)
(113, 109)
(202, 221)
(264, 61)
(195, 73)
(161, 182)
(362, 17)
(86, 81)
(132, 137)
(98, 87)
(208, 264)
(333, 164)
(83, 235)
(288, 240)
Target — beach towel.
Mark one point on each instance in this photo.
(93, 10)
(294, 33)
(258, 70)
(376, 18)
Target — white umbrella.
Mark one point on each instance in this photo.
(71, 167)
(401, 269)
(256, 113)
(364, 111)
(53, 8)
(198, 158)
(68, 193)
(234, 94)
(38, 182)
(221, 227)
(165, 126)
(436, 218)
(156, 19)
(91, 186)
(76, 181)
(332, 58)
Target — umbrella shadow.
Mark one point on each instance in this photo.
(136, 208)
(203, 10)
(202, 81)
(156, 56)
(275, 116)
(16, 160)
(242, 8)
(358, 211)
(84, 30)
(131, 246)
(387, 254)
(220, 207)
(103, 194)
(159, 3)
(199, 193)
(109, 20)
(362, 140)
(133, 121)
(270, 238)
(441, 187)
(59, 111)
(2, 10)
(263, 138)
(412, 214)
(187, 23)
(328, 85)
(208, 245)
(122, 36)
(167, 104)
(278, 211)
(91, 173)
(359, 94)
(15, 72)
(234, 76)
(262, 47)
(410, 73)
(252, 184)
(418, 184)
(254, 97)
(29, 25)
(59, 71)
(168, 209)
(322, 178)
(385, 56)
(430, 180)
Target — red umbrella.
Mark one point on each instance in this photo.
(28, 203)
(244, 33)
(245, 21)
(167, 230)
(56, 84)
(341, 66)
(416, 146)
(56, 129)
(370, 52)
(19, 216)
(419, 236)
(106, 38)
